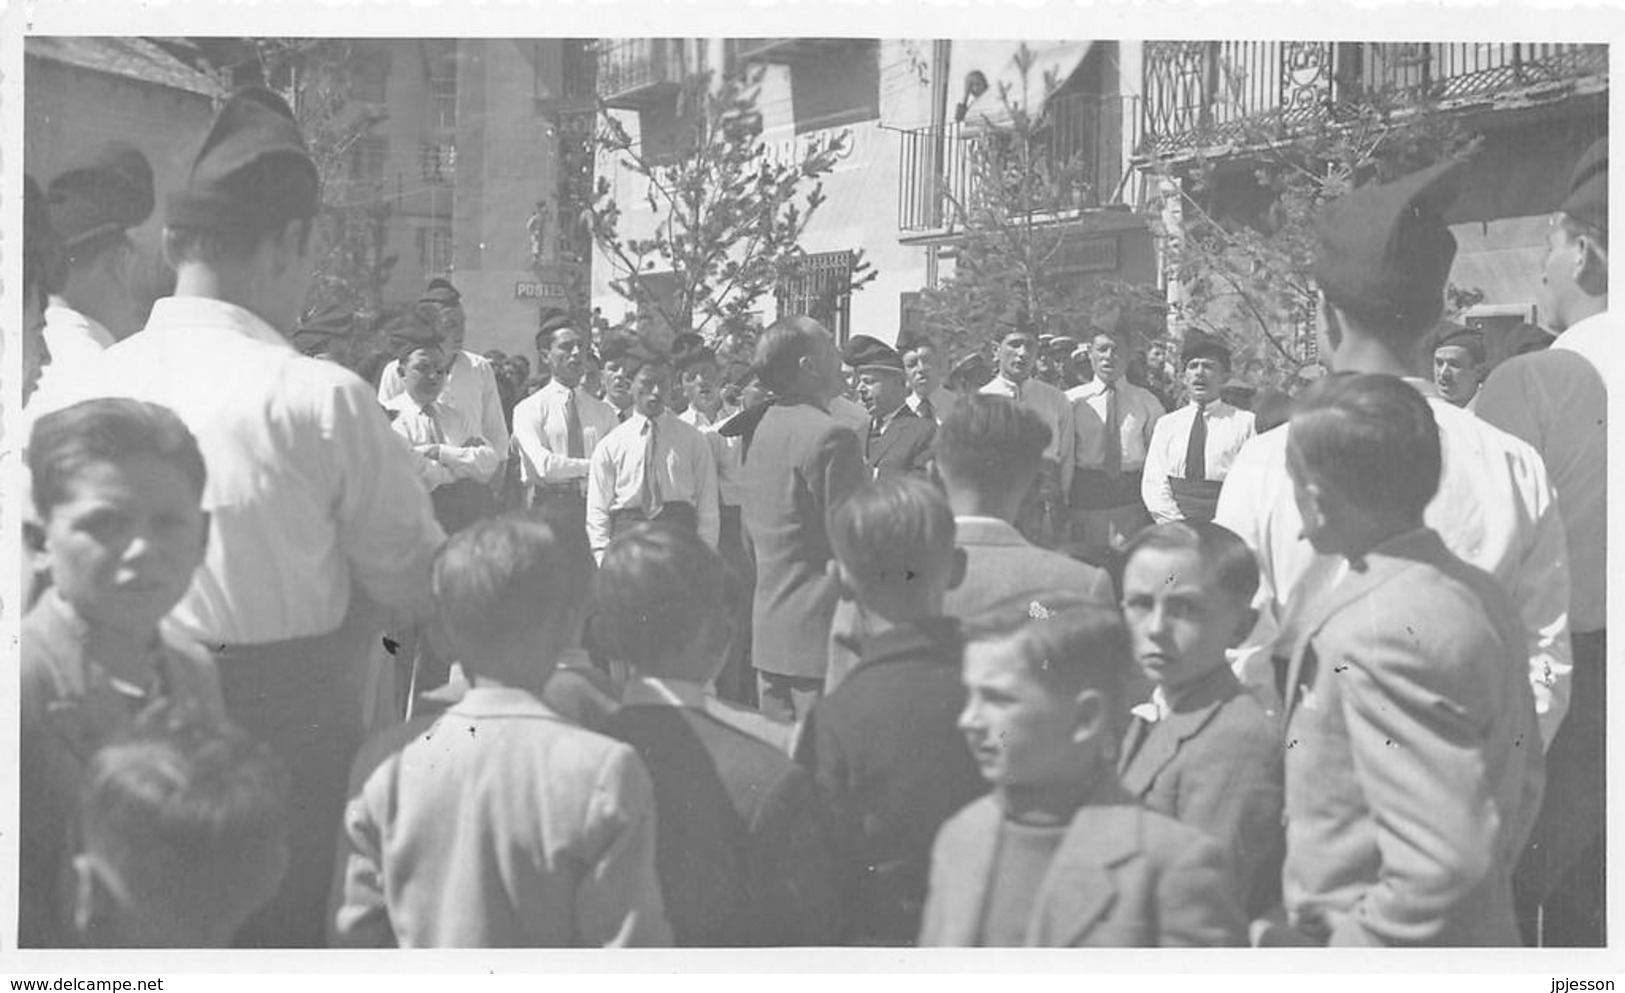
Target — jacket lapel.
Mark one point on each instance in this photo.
(900, 425)
(1079, 888)
(1162, 740)
(973, 863)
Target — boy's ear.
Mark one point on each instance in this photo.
(1091, 716)
(957, 568)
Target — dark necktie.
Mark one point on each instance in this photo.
(1196, 448)
(925, 410)
(1114, 434)
(624, 412)
(651, 481)
(435, 435)
(575, 445)
(874, 436)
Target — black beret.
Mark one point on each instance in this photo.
(253, 128)
(111, 191)
(440, 291)
(863, 352)
(410, 330)
(332, 321)
(555, 321)
(1204, 346)
(1454, 336)
(1065, 344)
(1386, 248)
(972, 368)
(42, 249)
(1587, 201)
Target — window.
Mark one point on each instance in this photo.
(439, 161)
(442, 63)
(368, 158)
(372, 77)
(823, 291)
(434, 249)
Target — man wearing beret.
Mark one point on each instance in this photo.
(471, 383)
(1557, 400)
(897, 441)
(104, 295)
(314, 507)
(1458, 364)
(327, 333)
(1192, 448)
(1383, 256)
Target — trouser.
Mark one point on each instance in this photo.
(1106, 510)
(302, 697)
(676, 512)
(562, 504)
(735, 683)
(1558, 888)
(787, 699)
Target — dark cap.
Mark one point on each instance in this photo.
(1063, 344)
(111, 191)
(1386, 248)
(1587, 201)
(1455, 336)
(255, 128)
(321, 326)
(440, 291)
(972, 369)
(1204, 346)
(411, 329)
(863, 352)
(42, 249)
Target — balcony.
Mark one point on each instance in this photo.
(1205, 95)
(944, 171)
(793, 51)
(634, 73)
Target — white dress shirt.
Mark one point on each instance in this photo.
(1227, 430)
(1050, 404)
(441, 424)
(308, 488)
(541, 433)
(1545, 403)
(471, 386)
(685, 469)
(1495, 508)
(72, 339)
(942, 401)
(1137, 414)
(725, 451)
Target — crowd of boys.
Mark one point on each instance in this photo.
(1034, 663)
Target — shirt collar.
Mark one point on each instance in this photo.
(59, 315)
(1154, 709)
(182, 312)
(496, 700)
(653, 691)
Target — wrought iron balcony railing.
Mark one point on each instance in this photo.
(1202, 94)
(632, 72)
(1078, 143)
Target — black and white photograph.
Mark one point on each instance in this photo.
(863, 494)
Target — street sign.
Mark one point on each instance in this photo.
(532, 290)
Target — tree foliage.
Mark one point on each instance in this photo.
(729, 215)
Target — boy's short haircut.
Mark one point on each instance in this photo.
(781, 348)
(183, 805)
(654, 593)
(1069, 642)
(501, 578)
(1230, 564)
(913, 342)
(1371, 438)
(683, 361)
(988, 441)
(1118, 334)
(893, 528)
(116, 430)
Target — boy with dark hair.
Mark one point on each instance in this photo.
(988, 454)
(1060, 854)
(183, 835)
(119, 527)
(883, 744)
(1414, 777)
(652, 467)
(743, 848)
(1202, 751)
(498, 824)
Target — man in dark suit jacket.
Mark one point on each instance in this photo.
(743, 846)
(988, 454)
(801, 464)
(899, 440)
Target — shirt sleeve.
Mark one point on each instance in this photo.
(530, 435)
(600, 493)
(618, 903)
(493, 426)
(708, 507)
(1154, 488)
(1241, 508)
(384, 522)
(467, 461)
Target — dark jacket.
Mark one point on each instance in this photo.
(904, 448)
(742, 844)
(886, 750)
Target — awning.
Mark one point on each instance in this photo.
(1053, 64)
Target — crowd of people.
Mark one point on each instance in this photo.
(1056, 645)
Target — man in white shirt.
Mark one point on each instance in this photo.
(1113, 421)
(927, 367)
(1191, 449)
(557, 427)
(471, 383)
(1458, 366)
(618, 365)
(1042, 519)
(652, 467)
(311, 496)
(93, 206)
(1558, 401)
(1384, 256)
